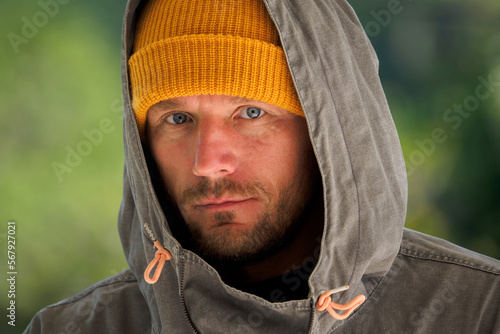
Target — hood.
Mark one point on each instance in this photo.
(335, 72)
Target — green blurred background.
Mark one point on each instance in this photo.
(61, 80)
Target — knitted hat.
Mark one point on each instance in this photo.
(196, 47)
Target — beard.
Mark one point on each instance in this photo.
(275, 226)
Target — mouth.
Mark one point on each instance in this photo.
(222, 203)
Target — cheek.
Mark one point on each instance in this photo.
(174, 163)
(299, 156)
(281, 156)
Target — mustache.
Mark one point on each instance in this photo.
(206, 188)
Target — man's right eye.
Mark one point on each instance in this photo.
(177, 118)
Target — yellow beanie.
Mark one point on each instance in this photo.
(196, 47)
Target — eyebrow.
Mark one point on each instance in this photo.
(165, 104)
(240, 99)
(169, 104)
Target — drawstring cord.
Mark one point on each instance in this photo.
(325, 302)
(161, 256)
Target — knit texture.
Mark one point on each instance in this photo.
(225, 47)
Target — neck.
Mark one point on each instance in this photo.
(302, 249)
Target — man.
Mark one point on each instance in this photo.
(263, 164)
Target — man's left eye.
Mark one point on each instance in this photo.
(251, 113)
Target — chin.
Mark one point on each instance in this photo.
(238, 246)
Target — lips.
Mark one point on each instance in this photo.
(221, 203)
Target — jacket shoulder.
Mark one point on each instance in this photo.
(114, 304)
(425, 247)
(434, 286)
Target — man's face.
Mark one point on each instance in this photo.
(240, 171)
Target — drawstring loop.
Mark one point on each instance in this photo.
(161, 256)
(325, 303)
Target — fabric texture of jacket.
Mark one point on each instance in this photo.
(413, 283)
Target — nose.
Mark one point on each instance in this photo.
(216, 150)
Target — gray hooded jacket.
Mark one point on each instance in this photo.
(413, 283)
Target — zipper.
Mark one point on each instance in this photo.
(182, 257)
(311, 321)
(183, 302)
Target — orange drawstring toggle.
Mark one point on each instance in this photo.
(161, 256)
(325, 303)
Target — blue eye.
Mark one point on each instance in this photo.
(252, 113)
(177, 118)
